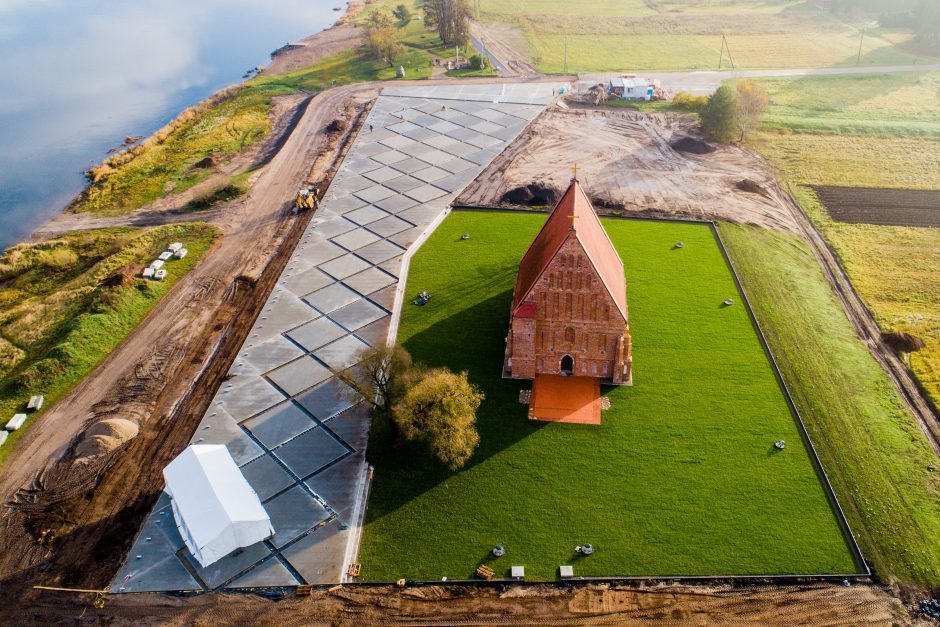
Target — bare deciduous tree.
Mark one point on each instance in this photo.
(380, 378)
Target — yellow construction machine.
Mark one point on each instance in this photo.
(306, 199)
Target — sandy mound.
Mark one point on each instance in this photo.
(105, 436)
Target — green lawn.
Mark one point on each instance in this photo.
(879, 461)
(681, 478)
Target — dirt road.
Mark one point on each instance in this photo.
(812, 604)
(626, 161)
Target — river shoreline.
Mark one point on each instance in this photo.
(343, 35)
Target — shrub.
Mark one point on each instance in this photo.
(687, 102)
(719, 116)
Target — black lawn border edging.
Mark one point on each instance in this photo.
(854, 549)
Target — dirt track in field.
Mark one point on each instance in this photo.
(813, 604)
(625, 161)
(888, 207)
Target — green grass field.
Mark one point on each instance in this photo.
(681, 478)
(878, 460)
(868, 131)
(629, 35)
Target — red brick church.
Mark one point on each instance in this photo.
(569, 327)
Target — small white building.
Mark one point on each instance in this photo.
(631, 88)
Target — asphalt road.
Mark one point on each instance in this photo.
(706, 82)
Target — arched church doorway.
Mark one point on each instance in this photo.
(567, 366)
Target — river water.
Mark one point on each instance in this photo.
(80, 75)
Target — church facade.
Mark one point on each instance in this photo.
(569, 313)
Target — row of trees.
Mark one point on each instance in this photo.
(383, 35)
(733, 111)
(431, 407)
(451, 18)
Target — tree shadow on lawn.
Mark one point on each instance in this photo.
(471, 340)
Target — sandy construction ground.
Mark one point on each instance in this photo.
(625, 160)
(810, 604)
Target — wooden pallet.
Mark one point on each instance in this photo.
(354, 569)
(485, 572)
(304, 591)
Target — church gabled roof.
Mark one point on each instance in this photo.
(575, 215)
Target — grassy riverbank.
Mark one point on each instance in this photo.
(66, 303)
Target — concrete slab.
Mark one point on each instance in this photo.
(376, 333)
(430, 174)
(313, 335)
(387, 227)
(338, 486)
(442, 142)
(422, 214)
(310, 452)
(415, 148)
(342, 353)
(270, 573)
(321, 251)
(413, 164)
(344, 201)
(230, 566)
(266, 477)
(455, 182)
(380, 176)
(397, 203)
(333, 297)
(220, 427)
(379, 251)
(366, 215)
(420, 134)
(385, 297)
(299, 375)
(374, 193)
(318, 557)
(283, 311)
(357, 315)
(398, 142)
(327, 399)
(279, 424)
(426, 193)
(267, 355)
(369, 281)
(293, 513)
(344, 266)
(438, 156)
(485, 141)
(305, 282)
(389, 157)
(352, 427)
(405, 239)
(403, 183)
(393, 265)
(354, 240)
(456, 165)
(252, 398)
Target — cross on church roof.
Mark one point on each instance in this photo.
(575, 177)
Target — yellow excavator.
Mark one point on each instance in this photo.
(307, 199)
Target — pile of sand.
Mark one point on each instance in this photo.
(105, 436)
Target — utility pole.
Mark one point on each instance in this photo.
(566, 53)
(861, 40)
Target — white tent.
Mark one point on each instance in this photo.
(216, 511)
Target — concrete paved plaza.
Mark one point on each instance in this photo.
(299, 442)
